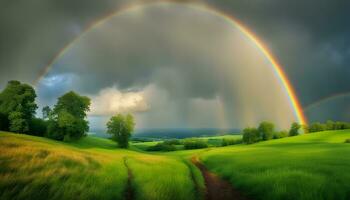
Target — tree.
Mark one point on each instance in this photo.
(17, 123)
(250, 135)
(17, 104)
(266, 130)
(121, 127)
(316, 127)
(294, 129)
(46, 112)
(330, 125)
(68, 118)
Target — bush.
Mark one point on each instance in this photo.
(280, 134)
(194, 143)
(347, 140)
(251, 135)
(172, 142)
(266, 130)
(317, 127)
(162, 147)
(227, 142)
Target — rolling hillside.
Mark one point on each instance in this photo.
(313, 166)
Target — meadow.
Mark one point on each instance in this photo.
(310, 166)
(92, 168)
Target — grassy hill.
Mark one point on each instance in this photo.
(313, 166)
(93, 168)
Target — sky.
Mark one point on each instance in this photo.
(180, 67)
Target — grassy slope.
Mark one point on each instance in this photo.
(93, 168)
(313, 166)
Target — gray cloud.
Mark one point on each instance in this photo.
(310, 39)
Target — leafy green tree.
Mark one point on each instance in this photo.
(17, 104)
(330, 125)
(68, 118)
(266, 130)
(294, 129)
(251, 135)
(121, 127)
(17, 123)
(46, 112)
(317, 127)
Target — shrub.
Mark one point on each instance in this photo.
(172, 142)
(347, 140)
(251, 135)
(227, 142)
(162, 147)
(280, 134)
(317, 127)
(266, 130)
(294, 129)
(194, 143)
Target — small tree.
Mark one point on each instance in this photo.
(121, 127)
(67, 120)
(250, 135)
(294, 129)
(46, 112)
(266, 130)
(17, 106)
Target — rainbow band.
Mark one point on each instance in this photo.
(326, 99)
(244, 30)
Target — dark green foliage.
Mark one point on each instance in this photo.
(17, 104)
(18, 124)
(162, 146)
(193, 143)
(317, 127)
(172, 142)
(38, 127)
(280, 134)
(227, 141)
(329, 125)
(121, 127)
(4, 122)
(251, 135)
(347, 140)
(46, 112)
(67, 120)
(266, 130)
(294, 129)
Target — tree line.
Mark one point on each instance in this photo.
(266, 130)
(66, 121)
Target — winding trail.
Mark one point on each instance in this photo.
(129, 191)
(216, 188)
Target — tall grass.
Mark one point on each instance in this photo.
(314, 166)
(160, 177)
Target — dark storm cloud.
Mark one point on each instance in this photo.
(310, 38)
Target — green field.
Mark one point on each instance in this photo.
(312, 166)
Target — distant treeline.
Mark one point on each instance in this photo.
(266, 130)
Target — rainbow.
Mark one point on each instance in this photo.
(326, 99)
(206, 8)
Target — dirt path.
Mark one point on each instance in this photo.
(129, 191)
(216, 188)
